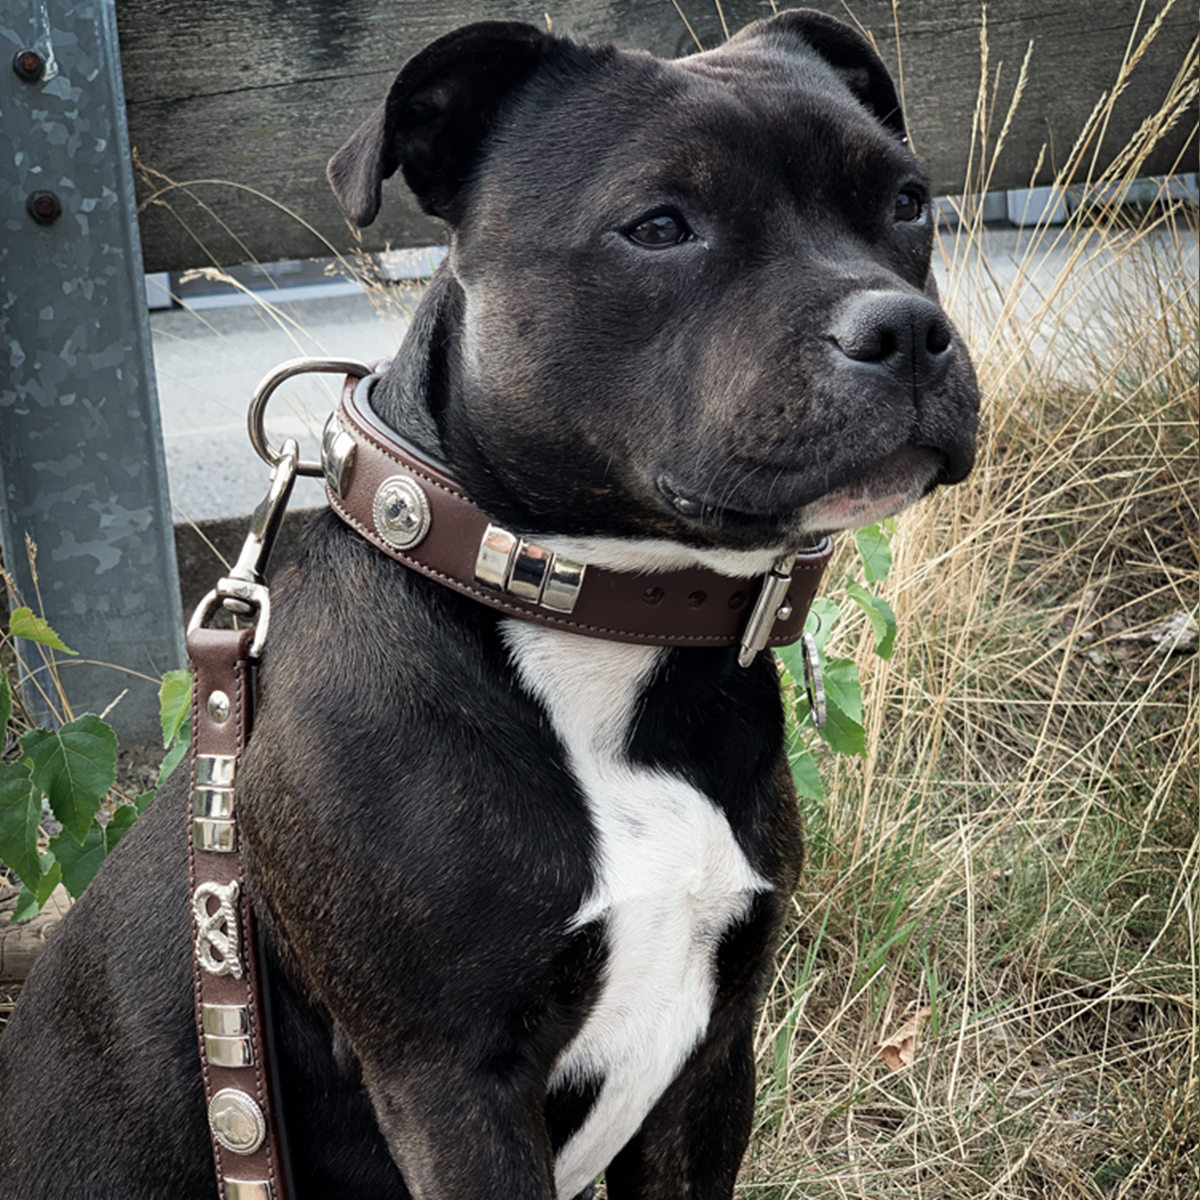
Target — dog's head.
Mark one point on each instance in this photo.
(686, 300)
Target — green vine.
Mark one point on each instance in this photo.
(843, 732)
(71, 772)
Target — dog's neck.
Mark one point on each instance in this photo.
(410, 395)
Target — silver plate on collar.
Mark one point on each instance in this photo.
(215, 770)
(232, 1052)
(337, 456)
(401, 511)
(517, 567)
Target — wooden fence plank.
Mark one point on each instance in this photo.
(258, 94)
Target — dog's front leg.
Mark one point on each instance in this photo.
(460, 1133)
(692, 1142)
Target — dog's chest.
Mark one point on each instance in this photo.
(670, 879)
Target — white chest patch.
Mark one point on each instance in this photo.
(670, 880)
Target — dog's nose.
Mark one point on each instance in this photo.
(907, 336)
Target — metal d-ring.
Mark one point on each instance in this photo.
(814, 684)
(287, 370)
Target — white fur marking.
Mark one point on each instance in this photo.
(636, 555)
(671, 879)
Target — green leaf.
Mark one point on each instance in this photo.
(822, 617)
(119, 824)
(5, 703)
(74, 766)
(843, 687)
(142, 800)
(843, 730)
(792, 658)
(24, 624)
(176, 754)
(843, 734)
(51, 878)
(20, 817)
(175, 704)
(30, 900)
(879, 613)
(806, 775)
(874, 545)
(27, 907)
(79, 860)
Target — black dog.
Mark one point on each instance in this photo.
(520, 888)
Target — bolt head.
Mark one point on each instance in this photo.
(44, 207)
(29, 65)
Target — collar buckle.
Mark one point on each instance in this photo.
(772, 605)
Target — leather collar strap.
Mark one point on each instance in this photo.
(230, 1019)
(409, 506)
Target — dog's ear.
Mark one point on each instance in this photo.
(437, 112)
(849, 54)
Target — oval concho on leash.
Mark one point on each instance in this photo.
(236, 1121)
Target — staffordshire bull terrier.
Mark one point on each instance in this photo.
(518, 888)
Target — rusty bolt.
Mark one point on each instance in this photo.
(29, 64)
(44, 207)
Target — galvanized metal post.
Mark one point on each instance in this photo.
(82, 471)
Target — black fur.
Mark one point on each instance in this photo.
(417, 841)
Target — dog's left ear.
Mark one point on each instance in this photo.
(848, 53)
(439, 108)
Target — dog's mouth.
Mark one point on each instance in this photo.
(797, 505)
(702, 511)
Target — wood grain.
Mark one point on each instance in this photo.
(235, 105)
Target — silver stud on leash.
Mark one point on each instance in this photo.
(218, 947)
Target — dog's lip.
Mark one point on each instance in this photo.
(892, 482)
(890, 486)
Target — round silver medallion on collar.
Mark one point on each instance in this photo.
(236, 1121)
(402, 514)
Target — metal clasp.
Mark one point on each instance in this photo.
(771, 606)
(244, 591)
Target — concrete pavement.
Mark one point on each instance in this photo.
(208, 363)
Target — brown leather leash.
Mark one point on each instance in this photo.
(227, 971)
(410, 507)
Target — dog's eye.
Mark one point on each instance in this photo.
(909, 207)
(660, 229)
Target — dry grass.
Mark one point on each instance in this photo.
(1018, 852)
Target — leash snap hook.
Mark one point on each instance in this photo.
(243, 591)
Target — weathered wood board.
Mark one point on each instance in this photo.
(241, 102)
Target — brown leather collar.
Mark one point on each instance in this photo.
(409, 506)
